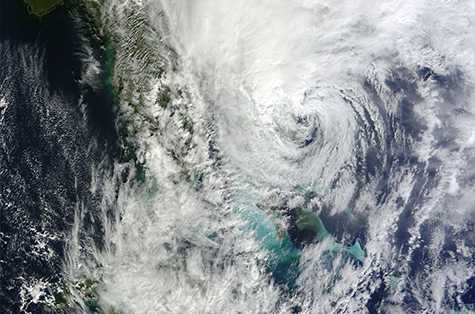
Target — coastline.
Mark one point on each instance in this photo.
(41, 8)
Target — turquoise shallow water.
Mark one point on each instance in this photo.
(274, 156)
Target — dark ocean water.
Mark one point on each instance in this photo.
(52, 130)
(58, 124)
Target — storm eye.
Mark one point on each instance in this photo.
(300, 130)
(306, 130)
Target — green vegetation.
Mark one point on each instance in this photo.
(308, 221)
(42, 7)
(127, 130)
(87, 288)
(283, 262)
(65, 300)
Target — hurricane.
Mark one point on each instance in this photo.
(273, 156)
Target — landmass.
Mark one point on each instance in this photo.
(42, 7)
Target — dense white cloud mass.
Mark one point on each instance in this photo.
(361, 112)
